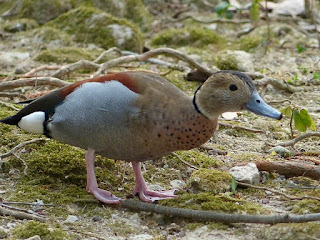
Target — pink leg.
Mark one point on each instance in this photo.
(141, 187)
(92, 185)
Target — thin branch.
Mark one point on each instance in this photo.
(152, 53)
(21, 145)
(183, 161)
(41, 68)
(37, 81)
(212, 216)
(82, 64)
(8, 105)
(277, 192)
(27, 203)
(278, 85)
(21, 215)
(107, 52)
(299, 138)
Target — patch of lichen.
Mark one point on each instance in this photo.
(90, 25)
(250, 42)
(210, 180)
(44, 230)
(196, 37)
(67, 55)
(289, 231)
(306, 206)
(24, 25)
(209, 202)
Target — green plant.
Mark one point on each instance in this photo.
(301, 119)
(301, 48)
(316, 76)
(255, 11)
(293, 80)
(222, 9)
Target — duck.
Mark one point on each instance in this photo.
(137, 116)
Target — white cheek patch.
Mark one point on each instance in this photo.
(33, 122)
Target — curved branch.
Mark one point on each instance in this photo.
(37, 81)
(299, 138)
(145, 56)
(199, 215)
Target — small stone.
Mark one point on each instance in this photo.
(247, 174)
(36, 237)
(265, 201)
(177, 184)
(71, 219)
(282, 151)
(96, 218)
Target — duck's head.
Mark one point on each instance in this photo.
(231, 91)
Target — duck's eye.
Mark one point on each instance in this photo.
(233, 87)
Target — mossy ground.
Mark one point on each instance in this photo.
(67, 55)
(90, 25)
(43, 230)
(209, 202)
(188, 36)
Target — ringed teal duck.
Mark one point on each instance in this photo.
(137, 116)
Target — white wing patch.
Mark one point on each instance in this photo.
(33, 122)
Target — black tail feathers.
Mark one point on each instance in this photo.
(13, 120)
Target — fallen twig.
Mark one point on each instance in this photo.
(278, 84)
(277, 192)
(299, 138)
(211, 216)
(11, 152)
(290, 169)
(41, 68)
(186, 163)
(37, 81)
(27, 203)
(8, 105)
(21, 215)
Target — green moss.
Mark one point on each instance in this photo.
(90, 25)
(178, 80)
(197, 37)
(132, 10)
(44, 230)
(226, 61)
(56, 162)
(209, 180)
(122, 229)
(47, 36)
(42, 11)
(24, 25)
(306, 206)
(139, 14)
(250, 42)
(289, 231)
(209, 202)
(194, 157)
(5, 5)
(240, 133)
(66, 55)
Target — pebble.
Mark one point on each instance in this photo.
(282, 151)
(71, 219)
(96, 218)
(246, 174)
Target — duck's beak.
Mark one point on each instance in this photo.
(258, 106)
